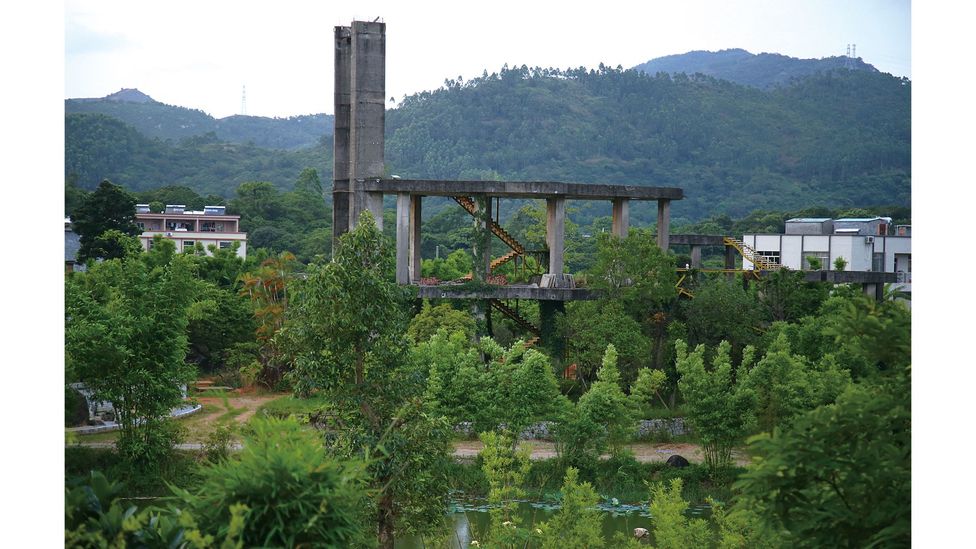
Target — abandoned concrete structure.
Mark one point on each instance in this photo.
(360, 90)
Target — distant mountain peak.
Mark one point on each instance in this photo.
(763, 70)
(130, 95)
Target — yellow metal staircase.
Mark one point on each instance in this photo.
(519, 320)
(468, 204)
(748, 252)
(518, 249)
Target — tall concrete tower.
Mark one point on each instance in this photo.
(360, 119)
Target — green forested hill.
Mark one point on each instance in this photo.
(764, 70)
(101, 147)
(835, 139)
(155, 119)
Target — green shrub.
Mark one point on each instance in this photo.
(295, 493)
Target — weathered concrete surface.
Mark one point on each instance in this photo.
(505, 292)
(697, 240)
(663, 224)
(620, 217)
(851, 277)
(522, 189)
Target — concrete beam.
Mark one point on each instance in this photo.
(555, 233)
(403, 238)
(522, 189)
(506, 292)
(663, 223)
(696, 240)
(621, 217)
(414, 247)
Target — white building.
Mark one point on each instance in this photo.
(210, 227)
(866, 244)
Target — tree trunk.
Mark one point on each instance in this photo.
(385, 522)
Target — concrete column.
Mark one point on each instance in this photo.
(414, 247)
(374, 203)
(621, 217)
(403, 238)
(555, 233)
(696, 257)
(340, 140)
(367, 76)
(730, 254)
(481, 246)
(663, 223)
(547, 325)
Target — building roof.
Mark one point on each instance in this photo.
(808, 220)
(863, 219)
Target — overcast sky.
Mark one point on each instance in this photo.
(202, 54)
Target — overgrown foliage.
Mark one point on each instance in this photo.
(293, 492)
(841, 475)
(345, 335)
(720, 412)
(125, 337)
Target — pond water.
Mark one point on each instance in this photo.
(469, 521)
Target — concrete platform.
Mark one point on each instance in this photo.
(526, 291)
(521, 189)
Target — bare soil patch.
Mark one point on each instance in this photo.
(644, 452)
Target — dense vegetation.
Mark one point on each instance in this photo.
(838, 139)
(820, 376)
(810, 380)
(168, 122)
(100, 147)
(764, 71)
(841, 138)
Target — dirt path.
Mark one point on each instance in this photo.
(235, 409)
(644, 452)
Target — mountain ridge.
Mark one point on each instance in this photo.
(763, 70)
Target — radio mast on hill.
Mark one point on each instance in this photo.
(243, 100)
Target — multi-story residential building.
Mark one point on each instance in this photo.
(210, 227)
(866, 244)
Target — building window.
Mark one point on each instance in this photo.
(877, 262)
(770, 256)
(141, 225)
(224, 244)
(822, 257)
(188, 245)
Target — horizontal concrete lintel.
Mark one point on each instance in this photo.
(522, 189)
(506, 292)
(851, 277)
(697, 240)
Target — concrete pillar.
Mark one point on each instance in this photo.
(555, 233)
(340, 139)
(547, 325)
(696, 257)
(730, 254)
(414, 247)
(481, 247)
(621, 217)
(374, 203)
(367, 76)
(663, 223)
(403, 238)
